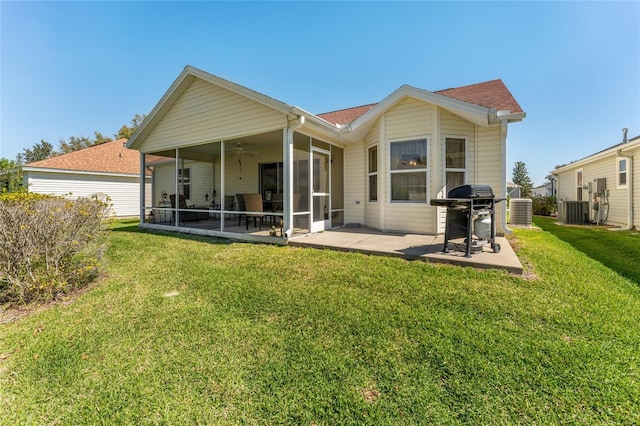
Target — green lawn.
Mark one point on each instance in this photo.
(619, 250)
(269, 335)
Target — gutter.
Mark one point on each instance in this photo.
(496, 117)
(629, 192)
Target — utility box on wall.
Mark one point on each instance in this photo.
(601, 185)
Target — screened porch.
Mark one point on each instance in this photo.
(237, 188)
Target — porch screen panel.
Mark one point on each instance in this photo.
(337, 186)
(301, 189)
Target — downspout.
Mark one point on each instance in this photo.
(503, 166)
(288, 184)
(629, 192)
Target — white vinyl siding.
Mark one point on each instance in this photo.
(408, 120)
(206, 112)
(455, 127)
(354, 188)
(489, 163)
(615, 204)
(616, 201)
(124, 191)
(566, 186)
(373, 209)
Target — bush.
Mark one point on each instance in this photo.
(49, 245)
(543, 206)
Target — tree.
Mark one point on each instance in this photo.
(40, 151)
(44, 149)
(521, 177)
(100, 138)
(75, 143)
(10, 176)
(125, 131)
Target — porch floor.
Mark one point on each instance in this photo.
(369, 241)
(410, 246)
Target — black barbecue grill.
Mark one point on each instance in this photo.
(468, 208)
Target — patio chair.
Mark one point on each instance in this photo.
(254, 209)
(182, 205)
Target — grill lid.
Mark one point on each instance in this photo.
(471, 191)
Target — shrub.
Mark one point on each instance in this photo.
(49, 245)
(543, 206)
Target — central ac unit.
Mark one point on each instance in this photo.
(573, 211)
(520, 211)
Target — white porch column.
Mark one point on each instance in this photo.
(287, 197)
(287, 153)
(222, 186)
(176, 204)
(142, 187)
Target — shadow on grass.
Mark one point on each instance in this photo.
(131, 225)
(618, 250)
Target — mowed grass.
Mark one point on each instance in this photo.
(619, 250)
(187, 330)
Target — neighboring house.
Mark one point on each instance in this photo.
(376, 165)
(106, 169)
(545, 190)
(513, 190)
(606, 183)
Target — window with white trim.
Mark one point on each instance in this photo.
(408, 170)
(579, 183)
(455, 162)
(622, 172)
(373, 173)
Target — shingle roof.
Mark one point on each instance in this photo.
(109, 157)
(489, 94)
(344, 116)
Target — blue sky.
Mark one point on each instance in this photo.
(72, 68)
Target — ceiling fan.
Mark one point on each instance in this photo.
(240, 150)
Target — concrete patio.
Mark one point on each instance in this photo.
(410, 246)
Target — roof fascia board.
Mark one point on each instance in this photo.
(426, 96)
(511, 118)
(474, 113)
(613, 151)
(317, 123)
(78, 172)
(176, 89)
(185, 78)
